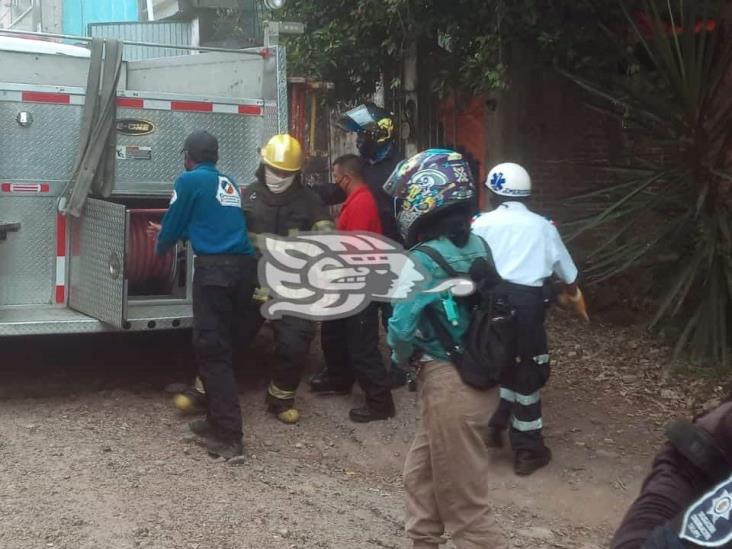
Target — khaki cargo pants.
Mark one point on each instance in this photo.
(447, 468)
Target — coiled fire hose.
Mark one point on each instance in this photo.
(144, 266)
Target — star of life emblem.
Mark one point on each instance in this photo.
(707, 521)
(324, 276)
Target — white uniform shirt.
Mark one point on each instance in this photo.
(527, 248)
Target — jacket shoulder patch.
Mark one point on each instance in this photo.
(227, 194)
(707, 521)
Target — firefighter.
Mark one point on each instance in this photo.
(351, 345)
(278, 203)
(447, 470)
(206, 209)
(686, 500)
(376, 143)
(527, 250)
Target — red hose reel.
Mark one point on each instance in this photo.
(144, 267)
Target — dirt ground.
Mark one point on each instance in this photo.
(92, 454)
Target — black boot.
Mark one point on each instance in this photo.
(216, 446)
(323, 384)
(373, 412)
(529, 461)
(226, 449)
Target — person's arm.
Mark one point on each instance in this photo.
(405, 317)
(247, 207)
(329, 193)
(565, 269)
(322, 220)
(176, 220)
(668, 490)
(564, 266)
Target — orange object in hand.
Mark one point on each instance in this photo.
(575, 303)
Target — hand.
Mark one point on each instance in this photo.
(574, 302)
(153, 228)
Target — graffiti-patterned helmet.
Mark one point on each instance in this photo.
(429, 182)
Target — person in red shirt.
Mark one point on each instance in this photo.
(351, 345)
(359, 211)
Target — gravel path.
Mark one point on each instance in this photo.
(92, 455)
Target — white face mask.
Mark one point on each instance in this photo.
(277, 184)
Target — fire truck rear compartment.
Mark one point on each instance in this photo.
(99, 272)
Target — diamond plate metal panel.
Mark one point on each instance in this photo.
(97, 247)
(44, 151)
(282, 104)
(271, 122)
(239, 141)
(276, 109)
(28, 257)
(45, 320)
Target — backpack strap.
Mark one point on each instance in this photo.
(453, 349)
(437, 257)
(488, 252)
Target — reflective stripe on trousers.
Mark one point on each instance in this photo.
(523, 400)
(527, 426)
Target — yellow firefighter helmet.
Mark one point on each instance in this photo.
(283, 152)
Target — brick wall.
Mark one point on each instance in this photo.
(542, 122)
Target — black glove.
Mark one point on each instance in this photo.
(330, 194)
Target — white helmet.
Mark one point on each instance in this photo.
(509, 179)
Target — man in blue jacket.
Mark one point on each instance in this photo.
(206, 210)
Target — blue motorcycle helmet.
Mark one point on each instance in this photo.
(374, 127)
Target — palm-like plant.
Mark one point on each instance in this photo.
(672, 194)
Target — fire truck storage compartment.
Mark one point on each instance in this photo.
(115, 274)
(98, 272)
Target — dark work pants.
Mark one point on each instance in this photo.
(386, 310)
(222, 288)
(351, 350)
(293, 337)
(520, 403)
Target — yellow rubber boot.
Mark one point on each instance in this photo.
(192, 400)
(281, 404)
